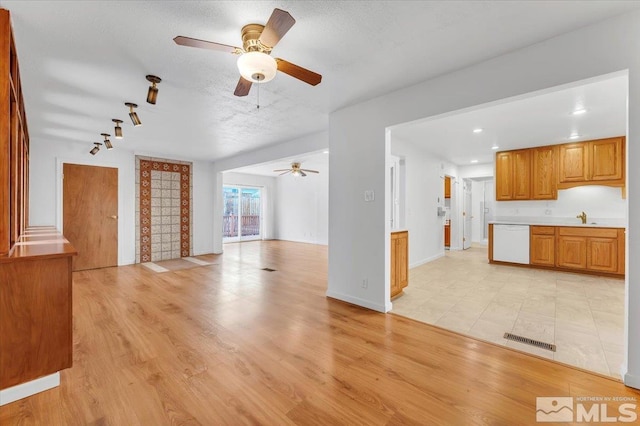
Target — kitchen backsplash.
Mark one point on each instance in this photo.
(598, 202)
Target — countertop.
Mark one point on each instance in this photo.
(40, 242)
(561, 221)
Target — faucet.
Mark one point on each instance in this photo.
(582, 217)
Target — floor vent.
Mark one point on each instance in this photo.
(527, 341)
(268, 269)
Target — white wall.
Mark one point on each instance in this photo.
(302, 208)
(601, 203)
(360, 145)
(424, 192)
(269, 197)
(45, 191)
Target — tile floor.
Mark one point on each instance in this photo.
(582, 315)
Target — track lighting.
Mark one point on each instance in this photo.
(152, 94)
(134, 117)
(95, 149)
(118, 129)
(107, 142)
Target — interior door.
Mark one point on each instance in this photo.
(90, 214)
(466, 240)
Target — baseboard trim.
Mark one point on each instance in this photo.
(33, 387)
(427, 260)
(357, 301)
(632, 381)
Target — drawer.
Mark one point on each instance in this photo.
(588, 232)
(543, 230)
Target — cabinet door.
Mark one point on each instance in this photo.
(522, 174)
(606, 159)
(602, 254)
(574, 160)
(447, 235)
(402, 260)
(542, 250)
(572, 252)
(544, 173)
(504, 176)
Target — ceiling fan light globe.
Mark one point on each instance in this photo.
(257, 67)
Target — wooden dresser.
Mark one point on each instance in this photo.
(35, 262)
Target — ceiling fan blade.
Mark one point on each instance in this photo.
(298, 72)
(310, 171)
(203, 44)
(277, 26)
(282, 170)
(288, 171)
(243, 87)
(303, 173)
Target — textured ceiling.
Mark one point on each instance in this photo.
(81, 60)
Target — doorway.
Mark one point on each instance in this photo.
(90, 214)
(242, 214)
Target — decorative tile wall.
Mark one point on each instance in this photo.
(163, 209)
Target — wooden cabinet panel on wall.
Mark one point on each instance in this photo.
(513, 175)
(399, 262)
(544, 176)
(542, 250)
(574, 162)
(599, 162)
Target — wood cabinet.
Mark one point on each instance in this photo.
(544, 175)
(447, 235)
(597, 162)
(447, 187)
(591, 249)
(399, 261)
(542, 245)
(513, 175)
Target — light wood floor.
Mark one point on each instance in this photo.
(232, 344)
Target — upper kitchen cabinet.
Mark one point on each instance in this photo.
(513, 175)
(597, 162)
(544, 175)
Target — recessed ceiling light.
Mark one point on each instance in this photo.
(579, 111)
(495, 147)
(574, 136)
(478, 130)
(474, 161)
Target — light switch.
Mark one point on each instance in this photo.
(369, 195)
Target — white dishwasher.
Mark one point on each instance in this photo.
(511, 243)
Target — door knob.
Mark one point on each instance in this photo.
(113, 217)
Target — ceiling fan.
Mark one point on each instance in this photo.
(255, 63)
(296, 170)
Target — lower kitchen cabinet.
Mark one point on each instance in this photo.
(542, 242)
(591, 249)
(399, 261)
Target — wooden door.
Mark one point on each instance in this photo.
(602, 254)
(543, 173)
(522, 174)
(574, 161)
(606, 159)
(543, 250)
(90, 214)
(572, 252)
(504, 176)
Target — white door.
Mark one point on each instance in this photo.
(466, 214)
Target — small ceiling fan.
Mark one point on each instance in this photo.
(255, 63)
(296, 170)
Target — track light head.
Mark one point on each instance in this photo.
(132, 114)
(118, 129)
(152, 94)
(107, 142)
(95, 149)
